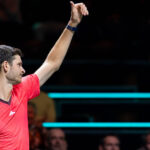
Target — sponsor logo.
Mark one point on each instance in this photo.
(11, 113)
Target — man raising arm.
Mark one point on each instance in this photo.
(58, 52)
(15, 91)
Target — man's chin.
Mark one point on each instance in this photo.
(17, 82)
(56, 147)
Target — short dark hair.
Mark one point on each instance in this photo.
(50, 129)
(102, 141)
(7, 53)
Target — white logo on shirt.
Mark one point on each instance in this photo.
(11, 113)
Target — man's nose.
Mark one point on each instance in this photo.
(23, 70)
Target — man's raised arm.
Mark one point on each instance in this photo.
(59, 50)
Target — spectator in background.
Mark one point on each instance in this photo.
(13, 29)
(10, 10)
(146, 142)
(45, 108)
(109, 142)
(56, 140)
(36, 132)
(31, 115)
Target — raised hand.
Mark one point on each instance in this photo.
(78, 10)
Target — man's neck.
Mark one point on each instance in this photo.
(5, 89)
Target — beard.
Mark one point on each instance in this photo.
(14, 80)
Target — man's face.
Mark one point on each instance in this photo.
(111, 143)
(57, 140)
(15, 71)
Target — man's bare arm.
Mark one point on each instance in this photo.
(59, 50)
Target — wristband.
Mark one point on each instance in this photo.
(71, 28)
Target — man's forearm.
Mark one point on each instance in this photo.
(59, 50)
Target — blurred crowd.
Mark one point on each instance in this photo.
(114, 30)
(42, 138)
(57, 139)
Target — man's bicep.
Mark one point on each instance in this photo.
(45, 72)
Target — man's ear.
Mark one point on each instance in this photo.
(5, 66)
